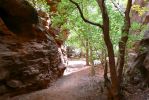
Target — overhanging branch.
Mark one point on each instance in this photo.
(82, 16)
(118, 8)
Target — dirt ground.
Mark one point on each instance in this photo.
(76, 84)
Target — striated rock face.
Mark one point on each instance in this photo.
(26, 64)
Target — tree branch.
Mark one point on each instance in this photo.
(118, 8)
(82, 16)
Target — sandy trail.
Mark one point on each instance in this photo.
(76, 84)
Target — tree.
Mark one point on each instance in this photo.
(123, 40)
(115, 83)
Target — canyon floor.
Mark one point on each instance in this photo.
(76, 84)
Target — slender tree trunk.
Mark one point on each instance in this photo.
(114, 79)
(123, 41)
(87, 52)
(91, 61)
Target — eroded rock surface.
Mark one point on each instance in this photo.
(28, 64)
(140, 68)
(29, 60)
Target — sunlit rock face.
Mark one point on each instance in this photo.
(29, 60)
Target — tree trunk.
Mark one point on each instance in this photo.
(114, 88)
(123, 41)
(87, 52)
(114, 79)
(91, 61)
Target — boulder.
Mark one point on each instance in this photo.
(29, 58)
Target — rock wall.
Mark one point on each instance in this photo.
(29, 60)
(138, 56)
(18, 13)
(139, 71)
